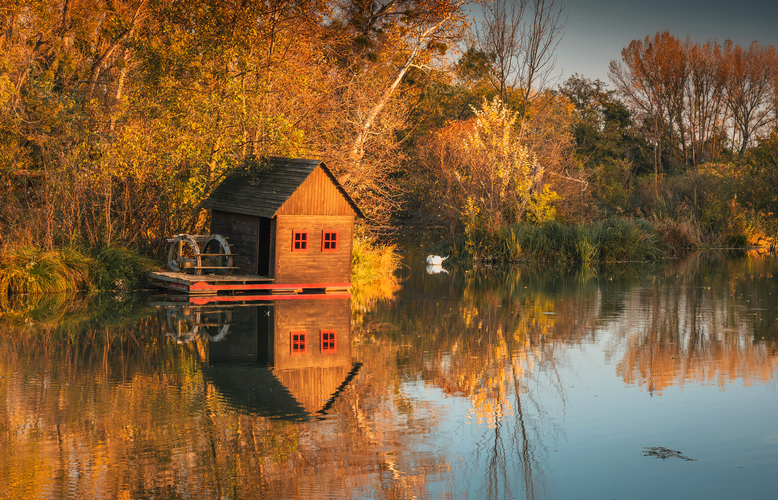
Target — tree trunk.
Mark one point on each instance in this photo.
(95, 71)
(358, 146)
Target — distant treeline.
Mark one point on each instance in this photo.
(696, 101)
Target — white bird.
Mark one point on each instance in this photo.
(435, 260)
(435, 269)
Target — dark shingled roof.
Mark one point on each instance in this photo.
(262, 194)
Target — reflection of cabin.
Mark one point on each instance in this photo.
(286, 219)
(311, 351)
(306, 343)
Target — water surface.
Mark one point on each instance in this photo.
(647, 381)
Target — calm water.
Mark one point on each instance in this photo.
(634, 382)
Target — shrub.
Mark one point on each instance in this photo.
(32, 270)
(679, 235)
(372, 261)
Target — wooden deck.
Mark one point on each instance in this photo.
(215, 284)
(237, 300)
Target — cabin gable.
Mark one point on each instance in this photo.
(317, 195)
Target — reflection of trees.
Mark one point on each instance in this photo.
(122, 411)
(82, 402)
(490, 338)
(118, 410)
(706, 320)
(495, 339)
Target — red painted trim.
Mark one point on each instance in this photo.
(328, 345)
(304, 241)
(278, 286)
(301, 342)
(334, 243)
(201, 301)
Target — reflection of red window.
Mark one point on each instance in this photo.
(328, 342)
(329, 241)
(300, 241)
(299, 342)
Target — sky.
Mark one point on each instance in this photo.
(597, 30)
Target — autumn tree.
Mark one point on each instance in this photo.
(694, 99)
(123, 114)
(117, 117)
(705, 113)
(384, 55)
(482, 174)
(606, 146)
(748, 77)
(412, 31)
(63, 59)
(520, 38)
(651, 80)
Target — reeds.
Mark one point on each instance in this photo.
(680, 235)
(33, 271)
(120, 268)
(612, 240)
(29, 270)
(372, 261)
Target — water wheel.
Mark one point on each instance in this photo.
(216, 255)
(181, 324)
(199, 254)
(186, 324)
(214, 325)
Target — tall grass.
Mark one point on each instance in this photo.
(33, 271)
(120, 268)
(612, 240)
(680, 235)
(30, 270)
(627, 240)
(371, 260)
(373, 267)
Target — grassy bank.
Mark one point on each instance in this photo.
(32, 271)
(612, 240)
(29, 270)
(713, 205)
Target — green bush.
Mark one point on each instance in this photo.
(121, 268)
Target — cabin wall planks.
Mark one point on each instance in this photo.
(243, 236)
(313, 266)
(316, 196)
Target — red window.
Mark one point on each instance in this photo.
(328, 342)
(329, 241)
(300, 241)
(299, 342)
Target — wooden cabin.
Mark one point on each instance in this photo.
(289, 220)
